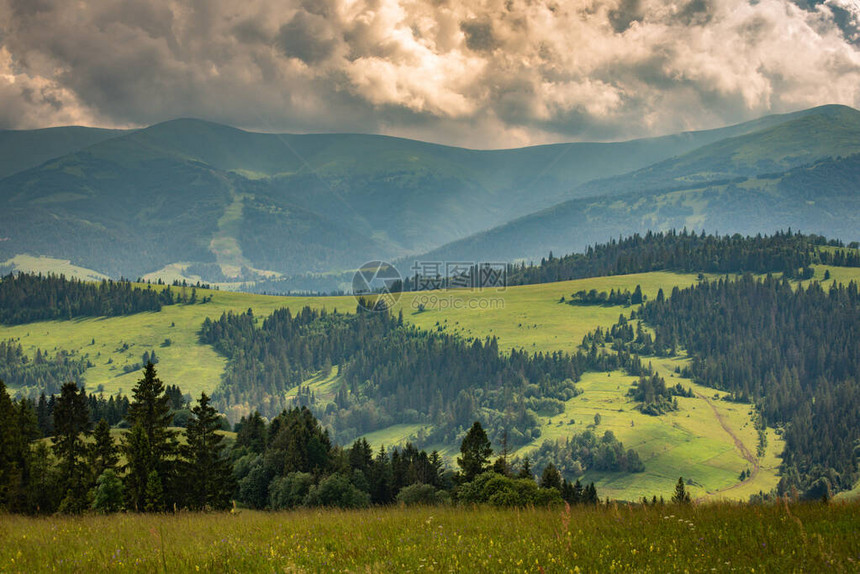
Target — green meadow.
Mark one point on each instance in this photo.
(705, 441)
(615, 538)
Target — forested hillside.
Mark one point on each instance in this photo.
(289, 462)
(792, 351)
(393, 373)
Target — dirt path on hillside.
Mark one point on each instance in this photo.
(748, 456)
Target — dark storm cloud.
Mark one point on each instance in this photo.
(479, 35)
(307, 37)
(486, 74)
(627, 12)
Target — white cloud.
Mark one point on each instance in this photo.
(485, 73)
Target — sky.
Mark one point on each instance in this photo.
(475, 73)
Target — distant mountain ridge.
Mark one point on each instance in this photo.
(226, 204)
(21, 150)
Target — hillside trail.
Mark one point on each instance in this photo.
(748, 456)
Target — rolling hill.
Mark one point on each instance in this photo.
(194, 199)
(818, 197)
(24, 149)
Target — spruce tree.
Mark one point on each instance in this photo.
(526, 470)
(381, 479)
(153, 499)
(13, 461)
(108, 492)
(149, 446)
(551, 477)
(103, 451)
(590, 494)
(206, 468)
(252, 433)
(476, 452)
(681, 495)
(71, 425)
(578, 494)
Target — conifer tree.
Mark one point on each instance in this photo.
(103, 451)
(526, 470)
(252, 433)
(681, 495)
(153, 500)
(149, 446)
(381, 479)
(578, 493)
(206, 469)
(12, 453)
(476, 452)
(550, 478)
(590, 494)
(71, 425)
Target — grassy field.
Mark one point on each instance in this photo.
(531, 317)
(45, 265)
(690, 442)
(184, 361)
(709, 538)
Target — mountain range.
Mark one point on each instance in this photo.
(221, 204)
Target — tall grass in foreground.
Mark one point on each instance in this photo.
(722, 538)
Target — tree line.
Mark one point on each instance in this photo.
(79, 468)
(291, 462)
(287, 462)
(28, 297)
(690, 252)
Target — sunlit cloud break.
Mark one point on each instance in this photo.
(492, 73)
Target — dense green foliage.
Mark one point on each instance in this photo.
(41, 371)
(655, 397)
(293, 463)
(25, 298)
(794, 351)
(207, 475)
(82, 469)
(687, 252)
(71, 427)
(578, 453)
(475, 451)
